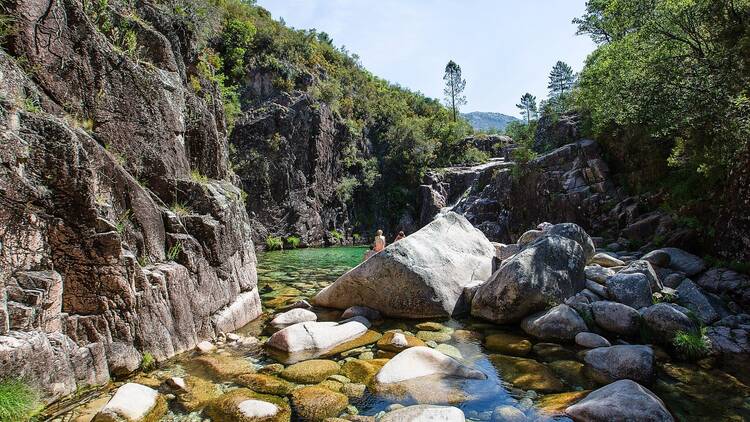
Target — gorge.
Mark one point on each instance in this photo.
(155, 152)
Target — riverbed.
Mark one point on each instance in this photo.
(539, 379)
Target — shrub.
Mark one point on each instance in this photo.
(148, 363)
(335, 234)
(274, 243)
(18, 401)
(293, 242)
(692, 345)
(174, 251)
(181, 209)
(198, 177)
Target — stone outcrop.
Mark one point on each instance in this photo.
(421, 276)
(123, 231)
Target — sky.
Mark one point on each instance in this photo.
(504, 47)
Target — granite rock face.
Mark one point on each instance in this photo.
(95, 266)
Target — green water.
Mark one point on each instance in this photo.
(539, 384)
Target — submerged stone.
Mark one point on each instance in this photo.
(527, 374)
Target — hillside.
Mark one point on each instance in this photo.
(488, 121)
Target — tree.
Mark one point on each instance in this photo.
(454, 87)
(528, 107)
(561, 79)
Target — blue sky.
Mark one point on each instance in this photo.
(505, 47)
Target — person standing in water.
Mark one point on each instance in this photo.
(379, 244)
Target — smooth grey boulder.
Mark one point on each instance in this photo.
(606, 260)
(591, 340)
(691, 297)
(685, 262)
(529, 237)
(664, 320)
(421, 361)
(420, 276)
(633, 290)
(609, 364)
(561, 323)
(596, 288)
(293, 316)
(616, 317)
(644, 267)
(598, 273)
(425, 412)
(548, 270)
(575, 232)
(624, 400)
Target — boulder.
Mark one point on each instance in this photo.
(664, 320)
(591, 340)
(420, 276)
(616, 317)
(317, 403)
(727, 283)
(425, 412)
(363, 311)
(624, 400)
(528, 237)
(608, 364)
(310, 371)
(549, 270)
(644, 267)
(292, 317)
(316, 338)
(561, 323)
(576, 233)
(503, 251)
(657, 257)
(606, 260)
(422, 361)
(243, 405)
(133, 402)
(691, 297)
(266, 384)
(507, 413)
(596, 288)
(598, 273)
(396, 342)
(633, 290)
(684, 262)
(527, 374)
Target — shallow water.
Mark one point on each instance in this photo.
(285, 277)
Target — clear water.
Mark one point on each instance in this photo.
(285, 277)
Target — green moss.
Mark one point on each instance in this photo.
(18, 401)
(198, 177)
(293, 242)
(691, 345)
(274, 243)
(148, 363)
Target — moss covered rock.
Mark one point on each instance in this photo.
(316, 403)
(199, 393)
(310, 371)
(388, 344)
(369, 337)
(527, 374)
(224, 368)
(362, 371)
(508, 344)
(555, 404)
(243, 405)
(266, 384)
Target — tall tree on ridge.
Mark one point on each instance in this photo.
(528, 107)
(561, 79)
(454, 88)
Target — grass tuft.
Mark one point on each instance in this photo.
(293, 242)
(274, 243)
(18, 401)
(692, 345)
(148, 363)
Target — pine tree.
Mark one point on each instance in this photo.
(454, 88)
(561, 79)
(528, 107)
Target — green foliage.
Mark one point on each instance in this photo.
(293, 242)
(677, 71)
(181, 209)
(122, 221)
(662, 297)
(198, 177)
(336, 235)
(174, 251)
(356, 237)
(274, 243)
(31, 105)
(143, 260)
(18, 401)
(740, 267)
(692, 345)
(561, 80)
(528, 107)
(237, 37)
(454, 88)
(148, 363)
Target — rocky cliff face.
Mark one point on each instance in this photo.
(289, 154)
(123, 231)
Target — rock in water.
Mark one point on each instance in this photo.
(293, 316)
(551, 269)
(420, 276)
(422, 361)
(307, 340)
(425, 412)
(624, 400)
(133, 402)
(608, 364)
(560, 323)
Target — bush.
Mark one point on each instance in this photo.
(692, 345)
(293, 242)
(198, 177)
(148, 363)
(274, 243)
(18, 401)
(336, 235)
(356, 237)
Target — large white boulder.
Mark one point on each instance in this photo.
(317, 337)
(293, 316)
(131, 402)
(420, 276)
(425, 413)
(422, 361)
(549, 270)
